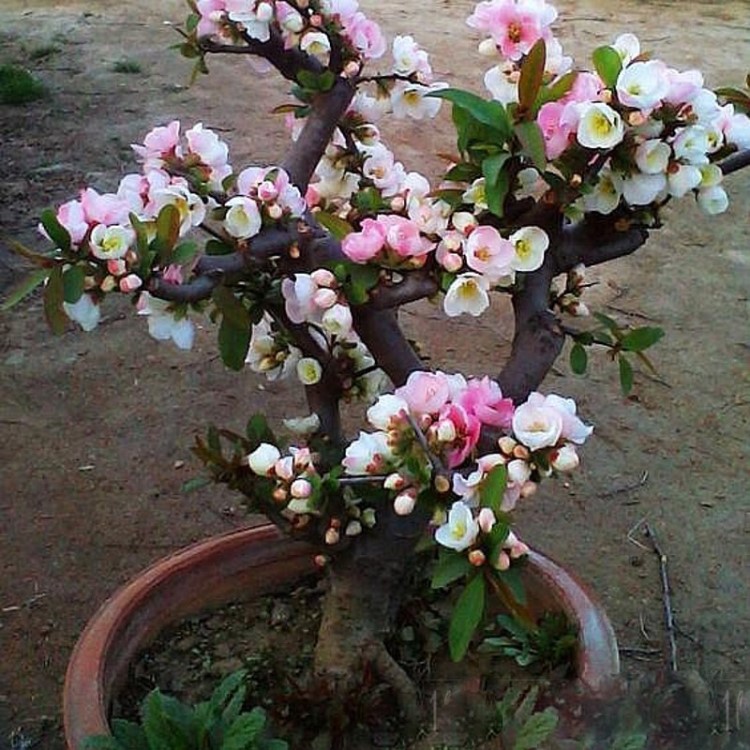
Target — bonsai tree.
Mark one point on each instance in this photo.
(303, 266)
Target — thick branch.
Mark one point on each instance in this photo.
(416, 285)
(593, 241)
(381, 334)
(289, 62)
(321, 123)
(735, 162)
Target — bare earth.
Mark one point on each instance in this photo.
(96, 427)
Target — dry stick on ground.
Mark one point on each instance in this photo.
(665, 594)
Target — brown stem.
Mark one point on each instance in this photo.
(735, 162)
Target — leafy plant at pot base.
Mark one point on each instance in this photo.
(216, 724)
(303, 266)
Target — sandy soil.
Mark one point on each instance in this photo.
(96, 428)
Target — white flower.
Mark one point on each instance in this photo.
(410, 100)
(368, 454)
(530, 245)
(691, 144)
(163, 324)
(404, 502)
(605, 195)
(243, 218)
(387, 409)
(502, 84)
(641, 189)
(109, 243)
(537, 426)
(642, 85)
(309, 371)
(599, 126)
(303, 425)
(315, 43)
(652, 156)
(565, 459)
(628, 47)
(683, 179)
(85, 312)
(263, 459)
(269, 354)
(467, 294)
(191, 208)
(337, 320)
(460, 531)
(713, 200)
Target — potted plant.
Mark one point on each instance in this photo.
(304, 265)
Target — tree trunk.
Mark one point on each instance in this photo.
(367, 583)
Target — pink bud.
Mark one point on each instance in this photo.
(108, 284)
(397, 204)
(275, 211)
(325, 298)
(332, 536)
(130, 283)
(394, 482)
(486, 520)
(503, 561)
(528, 489)
(452, 262)
(116, 266)
(404, 503)
(323, 277)
(320, 560)
(316, 20)
(312, 196)
(301, 489)
(267, 191)
(477, 557)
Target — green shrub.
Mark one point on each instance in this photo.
(18, 85)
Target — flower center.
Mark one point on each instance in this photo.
(514, 32)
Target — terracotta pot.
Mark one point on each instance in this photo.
(252, 562)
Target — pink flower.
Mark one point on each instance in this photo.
(514, 27)
(172, 274)
(425, 392)
(484, 400)
(364, 245)
(210, 12)
(160, 144)
(467, 428)
(71, 216)
(403, 237)
(488, 253)
(366, 36)
(104, 208)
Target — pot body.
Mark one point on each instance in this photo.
(252, 562)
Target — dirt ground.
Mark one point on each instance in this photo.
(96, 428)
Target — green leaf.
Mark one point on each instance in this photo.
(231, 308)
(608, 64)
(579, 359)
(244, 732)
(192, 22)
(337, 226)
(513, 581)
(626, 375)
(316, 81)
(168, 724)
(466, 617)
(532, 75)
(226, 689)
(630, 742)
(537, 729)
(640, 339)
(73, 282)
(195, 483)
(607, 322)
(24, 288)
(167, 233)
(102, 742)
(185, 253)
(234, 343)
(129, 735)
(258, 431)
(555, 90)
(274, 745)
(361, 278)
(216, 247)
(487, 112)
(496, 180)
(463, 172)
(450, 567)
(530, 136)
(54, 296)
(493, 489)
(56, 231)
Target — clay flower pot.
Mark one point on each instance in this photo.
(251, 562)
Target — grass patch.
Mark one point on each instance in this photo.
(43, 51)
(18, 86)
(127, 66)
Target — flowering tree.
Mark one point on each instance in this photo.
(304, 265)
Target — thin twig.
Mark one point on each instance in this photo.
(666, 595)
(437, 464)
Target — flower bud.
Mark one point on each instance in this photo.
(267, 191)
(275, 211)
(486, 520)
(577, 275)
(108, 284)
(323, 277)
(332, 536)
(301, 489)
(477, 558)
(264, 12)
(353, 528)
(565, 459)
(309, 371)
(522, 452)
(464, 222)
(316, 20)
(506, 445)
(452, 262)
(320, 560)
(325, 298)
(394, 481)
(279, 495)
(578, 309)
(503, 561)
(368, 517)
(284, 468)
(116, 266)
(397, 204)
(487, 48)
(528, 489)
(351, 69)
(442, 484)
(263, 458)
(130, 283)
(404, 503)
(446, 431)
